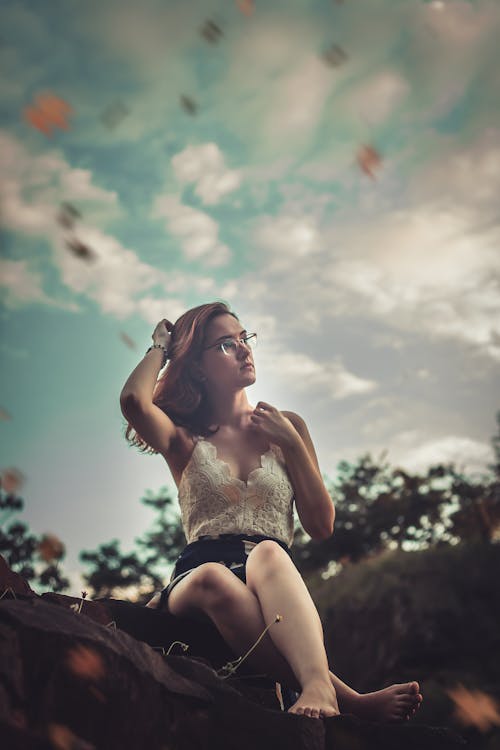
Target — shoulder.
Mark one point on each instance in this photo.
(296, 420)
(302, 430)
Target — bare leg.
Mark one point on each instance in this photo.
(276, 582)
(279, 587)
(237, 613)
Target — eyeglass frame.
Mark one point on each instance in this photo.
(233, 338)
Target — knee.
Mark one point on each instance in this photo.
(212, 585)
(266, 556)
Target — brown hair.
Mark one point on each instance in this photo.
(177, 392)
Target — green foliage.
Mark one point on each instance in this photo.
(137, 574)
(112, 570)
(20, 547)
(165, 541)
(378, 507)
(429, 615)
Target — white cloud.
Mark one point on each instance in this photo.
(462, 178)
(469, 455)
(32, 187)
(452, 47)
(154, 309)
(430, 269)
(197, 231)
(424, 272)
(305, 374)
(112, 279)
(204, 165)
(21, 285)
(460, 23)
(376, 98)
(286, 241)
(299, 99)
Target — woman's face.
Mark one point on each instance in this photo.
(229, 368)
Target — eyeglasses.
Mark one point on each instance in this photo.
(230, 345)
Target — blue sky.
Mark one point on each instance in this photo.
(376, 297)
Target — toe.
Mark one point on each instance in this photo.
(307, 711)
(314, 713)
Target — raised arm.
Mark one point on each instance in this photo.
(136, 398)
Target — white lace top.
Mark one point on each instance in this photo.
(212, 501)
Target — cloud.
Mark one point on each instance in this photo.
(467, 454)
(32, 187)
(197, 231)
(273, 90)
(113, 279)
(462, 178)
(154, 309)
(298, 101)
(376, 98)
(310, 375)
(286, 241)
(204, 166)
(425, 272)
(21, 285)
(450, 50)
(430, 268)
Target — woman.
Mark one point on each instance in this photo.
(236, 492)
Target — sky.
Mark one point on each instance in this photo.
(329, 169)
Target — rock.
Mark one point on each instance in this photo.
(100, 678)
(13, 581)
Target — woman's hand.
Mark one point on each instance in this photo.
(270, 422)
(161, 334)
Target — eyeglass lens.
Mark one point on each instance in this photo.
(231, 345)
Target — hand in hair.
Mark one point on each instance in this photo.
(161, 334)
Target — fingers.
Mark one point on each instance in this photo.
(168, 325)
(162, 332)
(265, 405)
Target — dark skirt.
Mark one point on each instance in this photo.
(232, 551)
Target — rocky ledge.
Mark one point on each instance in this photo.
(89, 675)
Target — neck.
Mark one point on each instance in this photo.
(229, 409)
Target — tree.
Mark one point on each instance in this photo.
(137, 574)
(35, 558)
(380, 507)
(112, 571)
(165, 541)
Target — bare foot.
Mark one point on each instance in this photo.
(318, 700)
(393, 704)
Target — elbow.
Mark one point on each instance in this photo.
(127, 401)
(124, 398)
(325, 531)
(321, 533)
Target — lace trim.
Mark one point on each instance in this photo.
(213, 501)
